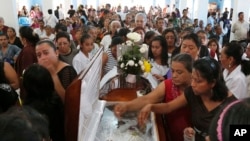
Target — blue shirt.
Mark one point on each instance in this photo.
(11, 52)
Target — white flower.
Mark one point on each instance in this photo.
(131, 63)
(134, 36)
(129, 43)
(142, 50)
(145, 74)
(140, 62)
(142, 68)
(144, 45)
(136, 65)
(134, 58)
(122, 65)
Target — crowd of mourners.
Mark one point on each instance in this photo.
(203, 77)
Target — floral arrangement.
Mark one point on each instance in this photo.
(133, 58)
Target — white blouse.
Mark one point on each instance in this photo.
(236, 82)
(80, 61)
(106, 41)
(158, 69)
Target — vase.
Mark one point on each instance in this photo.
(131, 78)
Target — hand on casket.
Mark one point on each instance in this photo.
(120, 109)
(144, 114)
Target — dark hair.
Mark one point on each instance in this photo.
(173, 14)
(166, 31)
(123, 32)
(213, 13)
(107, 4)
(39, 85)
(38, 82)
(23, 124)
(213, 40)
(237, 112)
(60, 27)
(49, 42)
(84, 37)
(116, 40)
(138, 28)
(164, 54)
(105, 12)
(3, 34)
(234, 50)
(184, 10)
(185, 59)
(149, 35)
(201, 31)
(240, 13)
(194, 38)
(210, 70)
(120, 19)
(63, 34)
(28, 33)
(50, 11)
(13, 29)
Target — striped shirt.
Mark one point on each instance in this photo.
(110, 63)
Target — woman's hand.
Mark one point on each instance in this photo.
(189, 133)
(159, 77)
(49, 66)
(143, 114)
(120, 109)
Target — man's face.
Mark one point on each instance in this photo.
(241, 16)
(3, 41)
(218, 30)
(185, 13)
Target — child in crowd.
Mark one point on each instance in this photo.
(83, 57)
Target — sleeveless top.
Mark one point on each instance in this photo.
(177, 120)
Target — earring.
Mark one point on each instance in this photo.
(229, 65)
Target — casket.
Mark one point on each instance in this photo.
(89, 103)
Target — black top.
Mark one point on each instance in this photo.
(52, 108)
(8, 96)
(66, 75)
(71, 12)
(201, 117)
(17, 42)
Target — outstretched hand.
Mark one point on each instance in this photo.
(120, 109)
(144, 114)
